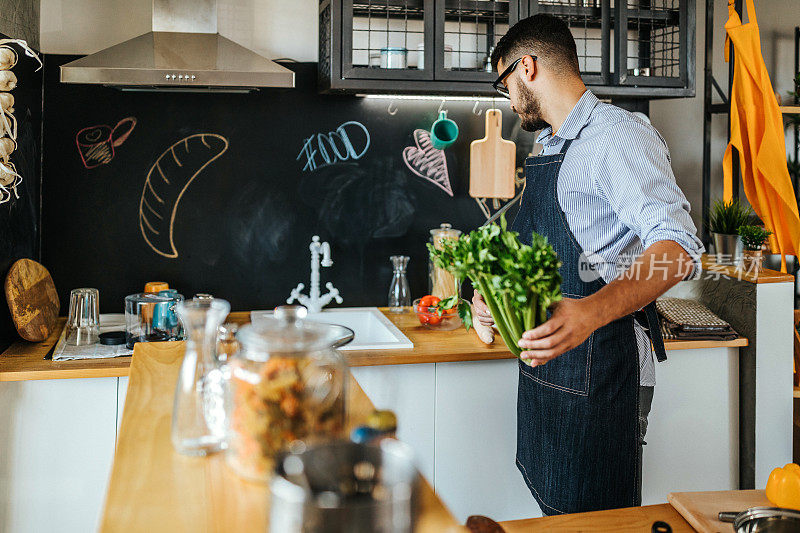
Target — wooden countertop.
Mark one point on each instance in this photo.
(25, 361)
(639, 519)
(153, 488)
(711, 268)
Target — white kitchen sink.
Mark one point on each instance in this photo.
(373, 331)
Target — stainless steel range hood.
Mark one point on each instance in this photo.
(184, 51)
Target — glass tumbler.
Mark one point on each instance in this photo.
(83, 321)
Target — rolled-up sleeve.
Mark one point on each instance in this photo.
(634, 174)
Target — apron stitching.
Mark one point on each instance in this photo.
(575, 392)
(530, 485)
(564, 219)
(559, 160)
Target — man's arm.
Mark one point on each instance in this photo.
(661, 266)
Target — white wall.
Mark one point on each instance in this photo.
(277, 28)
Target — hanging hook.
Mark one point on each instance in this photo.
(475, 108)
(441, 106)
(392, 109)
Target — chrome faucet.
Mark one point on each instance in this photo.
(314, 302)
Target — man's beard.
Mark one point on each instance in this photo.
(529, 110)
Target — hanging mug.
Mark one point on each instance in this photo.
(444, 132)
(96, 144)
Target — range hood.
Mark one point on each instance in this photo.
(183, 52)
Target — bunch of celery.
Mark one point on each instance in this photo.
(517, 281)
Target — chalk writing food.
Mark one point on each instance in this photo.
(167, 181)
(323, 149)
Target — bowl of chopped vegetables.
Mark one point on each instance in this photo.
(437, 314)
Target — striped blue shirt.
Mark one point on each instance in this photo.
(618, 193)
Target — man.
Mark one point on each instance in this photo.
(603, 192)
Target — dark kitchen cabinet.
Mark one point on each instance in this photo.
(626, 48)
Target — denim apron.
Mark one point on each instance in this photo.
(577, 416)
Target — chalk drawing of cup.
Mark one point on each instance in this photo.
(96, 144)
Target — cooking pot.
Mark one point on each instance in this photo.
(763, 520)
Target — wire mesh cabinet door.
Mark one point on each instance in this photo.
(590, 24)
(655, 43)
(466, 32)
(387, 39)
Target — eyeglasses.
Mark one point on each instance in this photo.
(498, 84)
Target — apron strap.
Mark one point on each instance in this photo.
(648, 317)
(565, 146)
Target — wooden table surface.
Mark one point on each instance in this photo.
(638, 519)
(153, 488)
(24, 360)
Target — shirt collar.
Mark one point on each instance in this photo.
(575, 121)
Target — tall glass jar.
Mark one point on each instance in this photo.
(442, 283)
(287, 384)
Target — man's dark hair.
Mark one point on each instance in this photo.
(544, 36)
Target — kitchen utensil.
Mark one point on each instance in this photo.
(431, 319)
(492, 161)
(763, 520)
(660, 526)
(349, 488)
(151, 317)
(394, 57)
(83, 320)
(32, 300)
(198, 414)
(701, 509)
(399, 292)
(112, 338)
(442, 283)
(483, 524)
(444, 132)
(287, 383)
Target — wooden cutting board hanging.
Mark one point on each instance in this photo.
(492, 161)
(32, 300)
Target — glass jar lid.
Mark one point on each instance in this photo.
(287, 332)
(445, 231)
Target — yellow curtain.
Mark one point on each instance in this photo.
(757, 133)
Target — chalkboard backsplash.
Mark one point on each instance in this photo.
(221, 193)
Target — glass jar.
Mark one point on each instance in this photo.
(286, 383)
(442, 283)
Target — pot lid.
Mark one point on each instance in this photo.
(287, 332)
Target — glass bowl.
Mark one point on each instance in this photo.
(430, 318)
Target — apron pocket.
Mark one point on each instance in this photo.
(569, 372)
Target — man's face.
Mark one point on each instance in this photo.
(524, 101)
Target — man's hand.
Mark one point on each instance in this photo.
(570, 324)
(482, 310)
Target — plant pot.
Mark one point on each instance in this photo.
(728, 248)
(752, 260)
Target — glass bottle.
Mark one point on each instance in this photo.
(399, 293)
(198, 415)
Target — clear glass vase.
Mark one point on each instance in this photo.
(198, 415)
(399, 292)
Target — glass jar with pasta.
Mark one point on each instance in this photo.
(442, 283)
(287, 383)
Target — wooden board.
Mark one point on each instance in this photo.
(632, 519)
(153, 488)
(25, 361)
(492, 161)
(32, 300)
(700, 509)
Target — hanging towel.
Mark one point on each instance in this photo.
(757, 133)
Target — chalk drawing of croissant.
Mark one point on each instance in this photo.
(168, 179)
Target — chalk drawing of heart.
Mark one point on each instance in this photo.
(427, 162)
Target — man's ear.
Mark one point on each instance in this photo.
(528, 69)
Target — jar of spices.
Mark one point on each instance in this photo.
(287, 383)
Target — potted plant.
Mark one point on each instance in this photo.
(753, 238)
(723, 223)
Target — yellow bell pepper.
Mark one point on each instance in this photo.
(783, 487)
